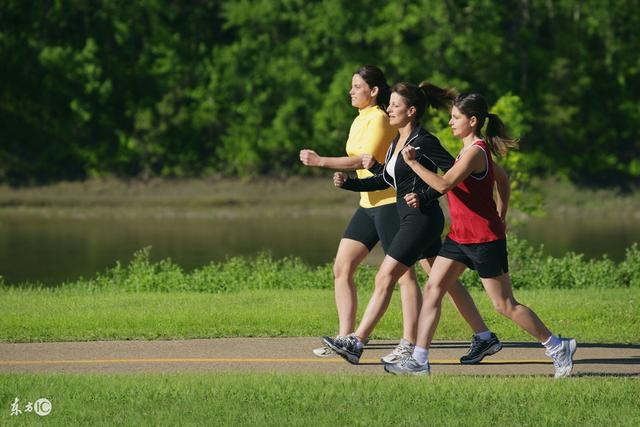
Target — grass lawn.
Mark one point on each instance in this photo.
(33, 315)
(269, 399)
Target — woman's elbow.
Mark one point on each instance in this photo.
(444, 187)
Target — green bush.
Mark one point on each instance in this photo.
(530, 268)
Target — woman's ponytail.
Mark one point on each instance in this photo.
(497, 137)
(437, 97)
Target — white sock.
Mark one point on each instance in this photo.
(421, 354)
(552, 342)
(484, 336)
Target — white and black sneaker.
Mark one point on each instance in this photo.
(481, 348)
(349, 348)
(402, 351)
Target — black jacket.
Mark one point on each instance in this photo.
(430, 154)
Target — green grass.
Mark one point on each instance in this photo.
(32, 315)
(294, 399)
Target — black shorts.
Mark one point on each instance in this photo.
(419, 233)
(488, 259)
(370, 225)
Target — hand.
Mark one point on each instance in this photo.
(368, 161)
(309, 158)
(409, 154)
(412, 200)
(339, 178)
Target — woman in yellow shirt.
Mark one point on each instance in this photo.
(377, 219)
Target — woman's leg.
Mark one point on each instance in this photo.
(350, 254)
(411, 299)
(462, 301)
(561, 351)
(444, 273)
(388, 274)
(500, 292)
(387, 222)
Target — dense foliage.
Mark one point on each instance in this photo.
(174, 88)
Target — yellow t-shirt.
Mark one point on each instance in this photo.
(371, 133)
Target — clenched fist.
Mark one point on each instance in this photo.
(339, 178)
(412, 200)
(409, 154)
(368, 161)
(309, 158)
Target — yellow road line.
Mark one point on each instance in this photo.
(235, 360)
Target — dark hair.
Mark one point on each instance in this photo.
(474, 105)
(423, 96)
(375, 78)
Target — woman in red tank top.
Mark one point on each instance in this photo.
(477, 235)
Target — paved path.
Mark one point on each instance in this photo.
(294, 355)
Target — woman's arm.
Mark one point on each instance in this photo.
(503, 191)
(472, 161)
(311, 158)
(373, 183)
(375, 143)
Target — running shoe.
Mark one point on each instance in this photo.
(402, 351)
(562, 356)
(324, 351)
(481, 348)
(408, 366)
(349, 348)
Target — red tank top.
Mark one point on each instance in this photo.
(474, 215)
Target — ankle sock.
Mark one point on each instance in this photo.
(421, 354)
(552, 342)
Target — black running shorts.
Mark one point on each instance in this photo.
(419, 233)
(488, 259)
(370, 225)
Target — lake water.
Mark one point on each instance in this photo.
(54, 250)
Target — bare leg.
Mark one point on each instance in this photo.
(411, 298)
(461, 300)
(350, 255)
(500, 291)
(444, 273)
(388, 274)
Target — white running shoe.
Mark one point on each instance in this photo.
(562, 356)
(409, 366)
(402, 351)
(324, 351)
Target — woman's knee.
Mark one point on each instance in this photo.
(385, 281)
(432, 294)
(344, 268)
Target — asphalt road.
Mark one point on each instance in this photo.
(294, 355)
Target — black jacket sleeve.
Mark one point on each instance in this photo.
(377, 168)
(372, 183)
(437, 154)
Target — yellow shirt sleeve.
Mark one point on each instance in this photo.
(378, 136)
